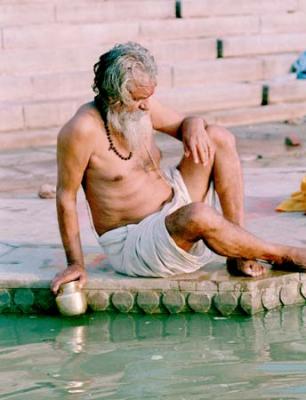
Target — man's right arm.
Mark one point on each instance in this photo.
(73, 153)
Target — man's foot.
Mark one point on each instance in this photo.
(241, 267)
(295, 260)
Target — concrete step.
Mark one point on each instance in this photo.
(231, 117)
(34, 115)
(28, 138)
(60, 35)
(262, 44)
(286, 90)
(212, 97)
(232, 69)
(256, 115)
(283, 23)
(119, 10)
(58, 60)
(208, 8)
(19, 13)
(217, 71)
(45, 60)
(180, 50)
(277, 65)
(45, 87)
(199, 27)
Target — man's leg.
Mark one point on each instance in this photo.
(225, 170)
(198, 221)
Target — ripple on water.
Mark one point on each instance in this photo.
(189, 356)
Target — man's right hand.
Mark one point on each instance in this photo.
(72, 273)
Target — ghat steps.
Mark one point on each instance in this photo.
(216, 59)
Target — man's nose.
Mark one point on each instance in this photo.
(144, 106)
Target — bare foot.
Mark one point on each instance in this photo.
(242, 267)
(295, 260)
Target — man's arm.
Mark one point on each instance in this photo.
(190, 130)
(73, 152)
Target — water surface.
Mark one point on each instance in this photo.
(185, 356)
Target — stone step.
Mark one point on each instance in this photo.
(262, 44)
(208, 8)
(217, 71)
(45, 60)
(34, 115)
(212, 97)
(45, 87)
(277, 65)
(125, 10)
(199, 27)
(23, 138)
(59, 35)
(55, 112)
(82, 11)
(20, 13)
(286, 90)
(256, 115)
(233, 69)
(283, 23)
(56, 60)
(28, 138)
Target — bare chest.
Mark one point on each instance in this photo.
(109, 168)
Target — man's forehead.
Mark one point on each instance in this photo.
(142, 89)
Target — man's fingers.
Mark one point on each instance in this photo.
(65, 277)
(82, 280)
(203, 155)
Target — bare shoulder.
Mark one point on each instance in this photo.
(164, 118)
(82, 129)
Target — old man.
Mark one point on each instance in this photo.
(152, 222)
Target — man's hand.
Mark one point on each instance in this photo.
(72, 273)
(196, 140)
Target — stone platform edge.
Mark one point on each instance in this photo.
(224, 294)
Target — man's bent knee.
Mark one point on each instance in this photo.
(187, 224)
(221, 136)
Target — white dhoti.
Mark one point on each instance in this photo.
(147, 249)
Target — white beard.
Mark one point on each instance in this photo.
(135, 126)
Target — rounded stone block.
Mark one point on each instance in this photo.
(5, 300)
(250, 302)
(123, 301)
(174, 301)
(98, 300)
(199, 302)
(44, 300)
(290, 294)
(149, 301)
(226, 302)
(24, 299)
(270, 298)
(303, 289)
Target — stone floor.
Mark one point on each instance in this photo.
(31, 252)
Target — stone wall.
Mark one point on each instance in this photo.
(215, 58)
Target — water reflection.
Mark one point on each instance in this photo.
(119, 356)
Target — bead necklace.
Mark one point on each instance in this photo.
(113, 148)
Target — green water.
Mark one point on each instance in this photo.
(186, 356)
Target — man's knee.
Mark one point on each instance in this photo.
(191, 221)
(221, 137)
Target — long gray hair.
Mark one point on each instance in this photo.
(116, 69)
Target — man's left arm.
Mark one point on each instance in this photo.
(190, 130)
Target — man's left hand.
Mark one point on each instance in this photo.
(196, 140)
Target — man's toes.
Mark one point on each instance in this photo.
(256, 269)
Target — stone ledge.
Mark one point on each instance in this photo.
(209, 290)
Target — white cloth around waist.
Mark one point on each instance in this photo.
(147, 249)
